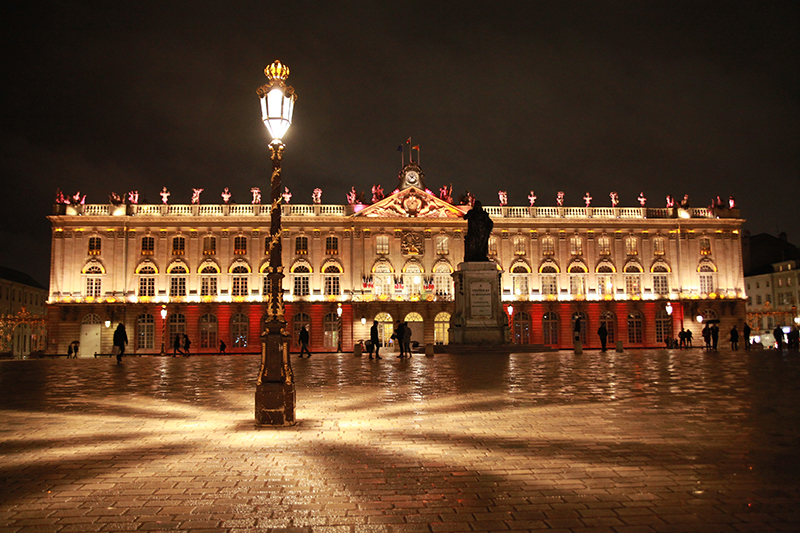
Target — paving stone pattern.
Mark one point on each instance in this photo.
(643, 441)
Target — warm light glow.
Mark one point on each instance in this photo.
(668, 308)
(163, 312)
(363, 321)
(339, 310)
(510, 310)
(108, 323)
(700, 318)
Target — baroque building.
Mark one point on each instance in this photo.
(644, 272)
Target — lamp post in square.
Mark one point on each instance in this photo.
(275, 390)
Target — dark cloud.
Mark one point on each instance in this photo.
(665, 97)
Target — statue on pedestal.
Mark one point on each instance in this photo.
(479, 228)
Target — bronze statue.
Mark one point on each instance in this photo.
(479, 228)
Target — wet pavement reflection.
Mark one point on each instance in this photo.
(650, 440)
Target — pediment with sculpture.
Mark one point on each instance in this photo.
(412, 202)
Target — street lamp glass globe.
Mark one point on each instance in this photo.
(277, 107)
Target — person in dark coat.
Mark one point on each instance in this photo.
(714, 337)
(707, 336)
(303, 337)
(682, 339)
(407, 339)
(186, 345)
(778, 333)
(602, 332)
(400, 334)
(734, 338)
(374, 340)
(176, 345)
(746, 334)
(222, 347)
(120, 340)
(689, 337)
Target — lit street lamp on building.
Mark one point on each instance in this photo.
(275, 390)
(339, 336)
(163, 330)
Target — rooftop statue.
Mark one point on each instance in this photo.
(479, 228)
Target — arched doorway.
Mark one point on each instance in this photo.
(580, 315)
(417, 328)
(522, 328)
(385, 327)
(550, 328)
(441, 328)
(91, 326)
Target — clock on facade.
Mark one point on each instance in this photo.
(411, 176)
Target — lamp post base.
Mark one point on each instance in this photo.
(275, 404)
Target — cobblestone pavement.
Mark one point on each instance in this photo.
(642, 441)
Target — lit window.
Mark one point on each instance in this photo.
(412, 279)
(208, 281)
(239, 281)
(301, 280)
(442, 245)
(330, 324)
(331, 280)
(632, 246)
(92, 287)
(94, 245)
(550, 328)
(549, 280)
(519, 245)
(240, 245)
(145, 332)
(331, 245)
(548, 246)
(147, 286)
(239, 330)
(382, 244)
(604, 245)
(576, 246)
(635, 332)
(633, 280)
(577, 280)
(148, 245)
(209, 245)
(177, 281)
(492, 246)
(660, 280)
(442, 280)
(659, 246)
(301, 245)
(208, 331)
(706, 279)
(178, 246)
(519, 280)
(705, 246)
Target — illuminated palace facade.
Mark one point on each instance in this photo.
(644, 272)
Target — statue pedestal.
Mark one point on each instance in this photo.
(479, 317)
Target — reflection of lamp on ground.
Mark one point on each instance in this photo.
(339, 335)
(163, 330)
(275, 392)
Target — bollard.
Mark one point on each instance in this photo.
(429, 350)
(578, 348)
(619, 346)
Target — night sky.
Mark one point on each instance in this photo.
(661, 97)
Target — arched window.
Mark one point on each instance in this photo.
(385, 327)
(177, 280)
(576, 246)
(584, 325)
(93, 281)
(548, 246)
(301, 245)
(608, 319)
(632, 246)
(605, 279)
(492, 246)
(302, 280)
(660, 279)
(240, 329)
(604, 245)
(659, 246)
(331, 245)
(706, 278)
(519, 245)
(550, 328)
(91, 318)
(208, 280)
(577, 279)
(635, 327)
(549, 275)
(441, 327)
(414, 321)
(208, 331)
(145, 332)
(177, 329)
(633, 279)
(240, 245)
(412, 278)
(239, 280)
(330, 324)
(382, 278)
(663, 325)
(522, 328)
(178, 245)
(708, 314)
(331, 275)
(519, 278)
(94, 245)
(443, 279)
(298, 321)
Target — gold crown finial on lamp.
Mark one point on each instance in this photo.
(276, 71)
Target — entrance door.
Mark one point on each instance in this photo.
(90, 340)
(22, 340)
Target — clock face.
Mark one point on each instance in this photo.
(412, 177)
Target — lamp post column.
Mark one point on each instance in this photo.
(275, 389)
(163, 330)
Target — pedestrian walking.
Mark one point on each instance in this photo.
(186, 345)
(399, 335)
(120, 341)
(778, 334)
(793, 338)
(746, 334)
(176, 345)
(602, 332)
(689, 336)
(714, 337)
(222, 347)
(682, 339)
(303, 337)
(407, 339)
(734, 338)
(69, 351)
(706, 333)
(374, 340)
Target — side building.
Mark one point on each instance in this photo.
(23, 306)
(644, 272)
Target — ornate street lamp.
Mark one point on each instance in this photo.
(339, 314)
(275, 392)
(163, 330)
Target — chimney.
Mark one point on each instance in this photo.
(782, 236)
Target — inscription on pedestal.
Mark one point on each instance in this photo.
(480, 299)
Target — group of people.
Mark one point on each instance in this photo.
(181, 345)
(792, 339)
